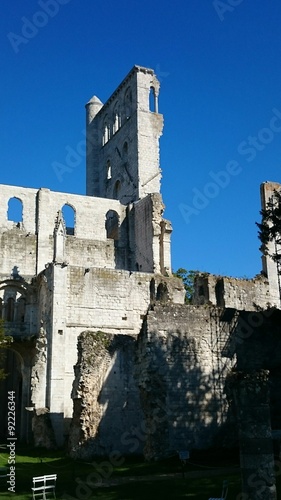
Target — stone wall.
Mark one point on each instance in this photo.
(241, 294)
(106, 399)
(30, 244)
(104, 233)
(161, 393)
(182, 369)
(18, 250)
(76, 299)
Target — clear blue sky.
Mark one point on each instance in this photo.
(219, 67)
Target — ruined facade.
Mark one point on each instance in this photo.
(103, 342)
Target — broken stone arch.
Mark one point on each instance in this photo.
(15, 210)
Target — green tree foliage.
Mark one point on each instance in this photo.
(188, 281)
(270, 227)
(5, 342)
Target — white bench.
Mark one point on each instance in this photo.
(44, 486)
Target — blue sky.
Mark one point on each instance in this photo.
(219, 67)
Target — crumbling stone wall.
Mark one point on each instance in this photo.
(180, 363)
(105, 396)
(241, 294)
(181, 373)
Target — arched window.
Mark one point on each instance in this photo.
(68, 214)
(128, 103)
(108, 170)
(15, 210)
(106, 131)
(116, 119)
(112, 225)
(152, 100)
(9, 309)
(116, 190)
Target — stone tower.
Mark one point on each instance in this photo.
(123, 140)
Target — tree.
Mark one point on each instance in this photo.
(5, 342)
(270, 227)
(188, 282)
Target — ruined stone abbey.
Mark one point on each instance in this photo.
(105, 350)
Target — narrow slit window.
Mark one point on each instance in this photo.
(152, 100)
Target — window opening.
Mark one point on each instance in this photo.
(106, 131)
(108, 170)
(162, 292)
(15, 210)
(68, 214)
(152, 100)
(112, 225)
(116, 119)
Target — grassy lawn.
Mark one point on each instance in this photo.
(78, 480)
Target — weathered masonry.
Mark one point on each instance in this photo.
(71, 264)
(106, 355)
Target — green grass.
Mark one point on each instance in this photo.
(77, 480)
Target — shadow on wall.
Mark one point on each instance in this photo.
(161, 394)
(257, 340)
(166, 392)
(182, 393)
(106, 398)
(118, 232)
